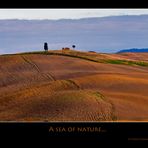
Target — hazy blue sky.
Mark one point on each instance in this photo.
(65, 13)
(108, 34)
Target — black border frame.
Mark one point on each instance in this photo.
(38, 132)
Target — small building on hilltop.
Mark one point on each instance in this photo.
(66, 48)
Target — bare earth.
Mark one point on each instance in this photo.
(37, 87)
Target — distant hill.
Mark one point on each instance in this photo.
(134, 50)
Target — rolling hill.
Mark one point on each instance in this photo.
(134, 50)
(73, 86)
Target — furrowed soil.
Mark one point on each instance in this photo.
(56, 87)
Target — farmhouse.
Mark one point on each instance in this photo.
(66, 48)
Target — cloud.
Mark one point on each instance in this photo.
(65, 13)
(112, 33)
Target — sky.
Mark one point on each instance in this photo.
(66, 13)
(109, 34)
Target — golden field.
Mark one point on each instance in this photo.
(74, 86)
